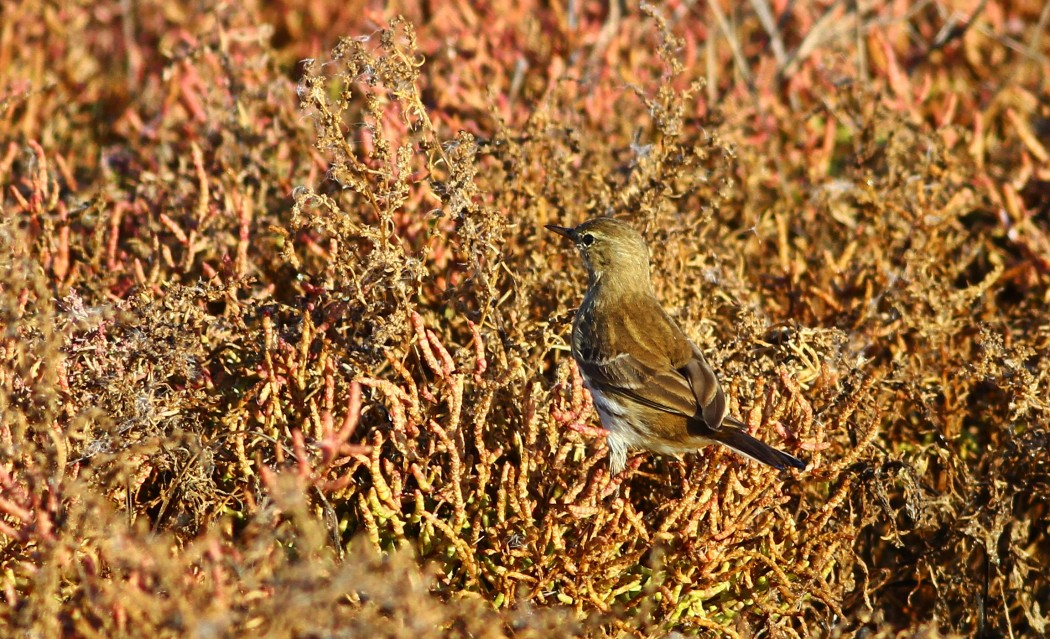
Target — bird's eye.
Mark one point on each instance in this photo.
(587, 239)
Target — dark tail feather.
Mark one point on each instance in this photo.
(748, 446)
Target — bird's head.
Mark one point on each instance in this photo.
(610, 248)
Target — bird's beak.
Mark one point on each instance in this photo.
(562, 231)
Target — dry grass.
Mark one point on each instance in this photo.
(283, 346)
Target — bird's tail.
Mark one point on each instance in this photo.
(748, 446)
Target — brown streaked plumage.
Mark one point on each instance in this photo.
(651, 386)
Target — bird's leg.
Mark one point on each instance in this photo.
(612, 489)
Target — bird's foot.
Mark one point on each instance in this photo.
(590, 431)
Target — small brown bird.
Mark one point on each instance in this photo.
(652, 387)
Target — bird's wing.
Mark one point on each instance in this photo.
(629, 377)
(706, 389)
(645, 357)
